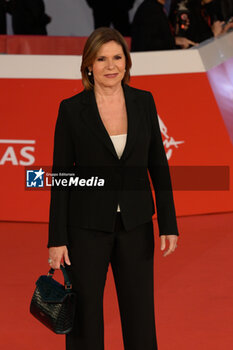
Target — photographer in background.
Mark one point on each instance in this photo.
(198, 20)
(151, 29)
(213, 9)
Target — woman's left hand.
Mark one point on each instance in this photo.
(172, 243)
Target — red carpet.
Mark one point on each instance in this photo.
(193, 288)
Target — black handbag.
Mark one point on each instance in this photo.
(53, 304)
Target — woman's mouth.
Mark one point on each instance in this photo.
(113, 75)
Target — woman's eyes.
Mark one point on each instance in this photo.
(101, 59)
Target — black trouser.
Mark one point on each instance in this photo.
(131, 256)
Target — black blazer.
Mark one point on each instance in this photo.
(82, 143)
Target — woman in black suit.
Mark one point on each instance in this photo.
(110, 131)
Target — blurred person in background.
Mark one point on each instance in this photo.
(2, 17)
(115, 13)
(226, 9)
(198, 20)
(219, 11)
(151, 29)
(29, 17)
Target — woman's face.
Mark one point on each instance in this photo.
(109, 65)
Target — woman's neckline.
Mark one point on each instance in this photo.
(118, 135)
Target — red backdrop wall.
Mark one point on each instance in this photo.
(193, 131)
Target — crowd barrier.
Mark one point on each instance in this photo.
(43, 45)
(196, 130)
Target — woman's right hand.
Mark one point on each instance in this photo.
(57, 255)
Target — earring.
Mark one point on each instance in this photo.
(89, 73)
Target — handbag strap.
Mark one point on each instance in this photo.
(67, 282)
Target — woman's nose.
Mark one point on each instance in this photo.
(110, 64)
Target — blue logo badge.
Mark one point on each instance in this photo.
(35, 178)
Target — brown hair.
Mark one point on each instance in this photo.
(99, 37)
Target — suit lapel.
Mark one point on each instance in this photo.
(133, 119)
(91, 117)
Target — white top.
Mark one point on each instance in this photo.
(119, 142)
